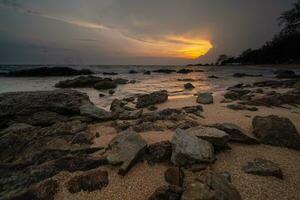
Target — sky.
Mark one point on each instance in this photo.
(139, 32)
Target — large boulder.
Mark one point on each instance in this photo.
(205, 98)
(49, 71)
(159, 152)
(105, 85)
(126, 149)
(189, 150)
(211, 186)
(277, 131)
(89, 181)
(79, 82)
(219, 139)
(263, 167)
(171, 192)
(40, 107)
(153, 98)
(236, 133)
(285, 74)
(94, 112)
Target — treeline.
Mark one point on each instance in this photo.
(283, 48)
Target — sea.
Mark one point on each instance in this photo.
(173, 82)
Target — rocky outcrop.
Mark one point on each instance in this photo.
(263, 167)
(89, 181)
(49, 71)
(159, 152)
(277, 131)
(236, 133)
(94, 112)
(205, 98)
(40, 108)
(105, 85)
(236, 93)
(126, 149)
(210, 185)
(219, 139)
(171, 192)
(152, 99)
(79, 82)
(174, 176)
(189, 150)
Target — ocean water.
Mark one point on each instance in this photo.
(144, 83)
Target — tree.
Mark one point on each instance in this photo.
(291, 19)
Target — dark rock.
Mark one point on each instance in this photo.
(236, 133)
(94, 112)
(81, 138)
(186, 79)
(159, 152)
(111, 92)
(205, 98)
(189, 86)
(105, 85)
(133, 72)
(236, 94)
(121, 81)
(152, 99)
(41, 107)
(263, 167)
(152, 108)
(164, 71)
(193, 109)
(240, 75)
(174, 176)
(170, 192)
(285, 74)
(226, 175)
(211, 186)
(277, 131)
(185, 71)
(89, 181)
(110, 73)
(49, 71)
(147, 72)
(219, 139)
(101, 95)
(126, 149)
(213, 77)
(241, 107)
(189, 150)
(79, 82)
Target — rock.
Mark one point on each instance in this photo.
(81, 138)
(189, 150)
(205, 98)
(240, 75)
(226, 175)
(236, 94)
(193, 109)
(152, 99)
(126, 149)
(277, 83)
(277, 131)
(101, 95)
(170, 192)
(105, 85)
(236, 133)
(188, 86)
(95, 112)
(17, 128)
(40, 108)
(285, 74)
(110, 73)
(297, 85)
(130, 115)
(174, 176)
(48, 71)
(159, 152)
(121, 81)
(210, 185)
(241, 107)
(152, 108)
(117, 105)
(164, 71)
(89, 181)
(219, 139)
(147, 72)
(263, 167)
(133, 72)
(111, 92)
(213, 77)
(79, 82)
(185, 71)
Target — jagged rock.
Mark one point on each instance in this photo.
(159, 152)
(236, 133)
(81, 138)
(171, 192)
(210, 185)
(263, 167)
(277, 131)
(189, 86)
(189, 150)
(205, 98)
(40, 107)
(105, 85)
(174, 176)
(126, 149)
(236, 94)
(49, 71)
(79, 82)
(89, 181)
(127, 115)
(219, 139)
(94, 112)
(152, 99)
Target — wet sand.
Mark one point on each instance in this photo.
(143, 179)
